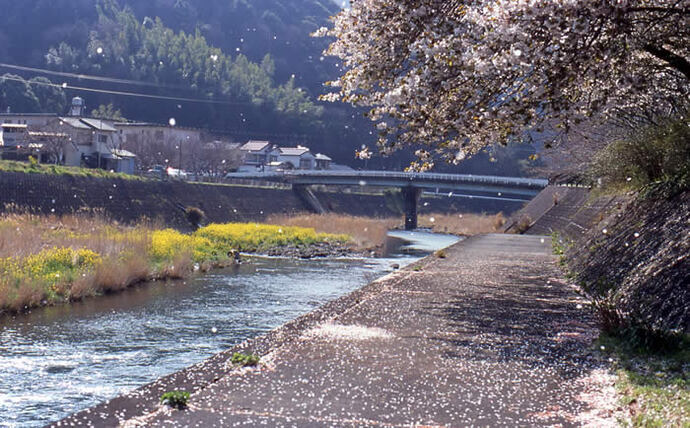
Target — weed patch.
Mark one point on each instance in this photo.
(175, 399)
(244, 360)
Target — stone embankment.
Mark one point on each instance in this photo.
(130, 201)
(486, 333)
(628, 251)
(566, 210)
(637, 259)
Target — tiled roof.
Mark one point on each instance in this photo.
(320, 156)
(99, 124)
(254, 146)
(74, 122)
(293, 151)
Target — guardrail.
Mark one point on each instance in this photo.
(407, 176)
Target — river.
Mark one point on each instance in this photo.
(56, 361)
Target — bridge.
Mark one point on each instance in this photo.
(411, 183)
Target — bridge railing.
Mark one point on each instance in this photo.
(395, 175)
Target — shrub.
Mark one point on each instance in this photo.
(244, 360)
(651, 154)
(194, 216)
(523, 224)
(176, 399)
(441, 254)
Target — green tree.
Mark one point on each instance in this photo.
(16, 94)
(108, 112)
(52, 99)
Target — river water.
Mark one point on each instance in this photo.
(56, 361)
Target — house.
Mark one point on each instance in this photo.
(73, 140)
(299, 157)
(32, 120)
(14, 135)
(268, 157)
(323, 161)
(18, 142)
(256, 154)
(135, 134)
(91, 142)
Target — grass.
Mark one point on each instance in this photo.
(33, 168)
(654, 386)
(462, 224)
(176, 399)
(244, 360)
(47, 259)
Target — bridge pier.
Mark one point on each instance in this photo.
(308, 198)
(410, 197)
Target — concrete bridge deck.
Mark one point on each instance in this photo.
(411, 184)
(419, 180)
(490, 335)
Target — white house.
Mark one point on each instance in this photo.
(255, 154)
(323, 161)
(14, 135)
(299, 157)
(91, 142)
(74, 140)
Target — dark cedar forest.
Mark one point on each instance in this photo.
(254, 61)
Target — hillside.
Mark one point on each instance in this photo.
(253, 61)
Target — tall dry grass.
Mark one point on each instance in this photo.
(50, 259)
(366, 232)
(371, 232)
(462, 224)
(123, 258)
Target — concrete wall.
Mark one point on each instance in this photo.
(129, 201)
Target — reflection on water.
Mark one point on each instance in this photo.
(59, 360)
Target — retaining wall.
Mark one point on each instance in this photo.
(130, 201)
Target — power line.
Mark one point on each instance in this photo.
(87, 76)
(130, 94)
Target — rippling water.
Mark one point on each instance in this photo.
(56, 361)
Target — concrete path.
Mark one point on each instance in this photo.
(487, 336)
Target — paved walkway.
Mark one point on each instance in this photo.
(487, 336)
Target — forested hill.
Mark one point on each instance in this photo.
(254, 28)
(280, 28)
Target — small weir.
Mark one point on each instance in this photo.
(57, 361)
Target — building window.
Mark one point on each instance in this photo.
(102, 138)
(305, 164)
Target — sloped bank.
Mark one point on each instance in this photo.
(636, 263)
(629, 252)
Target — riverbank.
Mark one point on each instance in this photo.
(47, 260)
(490, 334)
(627, 250)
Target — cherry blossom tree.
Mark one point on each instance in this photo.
(455, 76)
